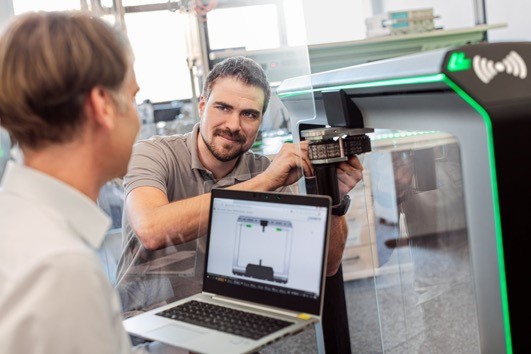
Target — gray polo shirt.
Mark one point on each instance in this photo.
(170, 163)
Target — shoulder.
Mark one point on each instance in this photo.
(166, 149)
(162, 142)
(47, 234)
(69, 266)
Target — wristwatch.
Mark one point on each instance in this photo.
(341, 208)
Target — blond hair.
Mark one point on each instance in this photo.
(49, 62)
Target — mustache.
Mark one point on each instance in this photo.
(227, 133)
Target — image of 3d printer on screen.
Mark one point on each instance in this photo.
(254, 236)
(273, 247)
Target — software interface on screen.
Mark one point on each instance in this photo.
(275, 247)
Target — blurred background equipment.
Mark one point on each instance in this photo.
(401, 22)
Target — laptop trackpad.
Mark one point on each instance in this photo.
(176, 333)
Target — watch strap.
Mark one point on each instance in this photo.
(341, 208)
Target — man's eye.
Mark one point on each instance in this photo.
(251, 115)
(223, 108)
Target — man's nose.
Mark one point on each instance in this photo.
(233, 121)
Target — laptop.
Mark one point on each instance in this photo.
(264, 277)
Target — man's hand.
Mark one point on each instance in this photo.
(349, 173)
(286, 167)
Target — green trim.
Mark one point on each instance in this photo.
(424, 79)
(497, 219)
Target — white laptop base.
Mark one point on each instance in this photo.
(204, 340)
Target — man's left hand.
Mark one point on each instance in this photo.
(349, 173)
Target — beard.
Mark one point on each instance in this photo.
(223, 152)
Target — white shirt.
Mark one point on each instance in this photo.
(54, 296)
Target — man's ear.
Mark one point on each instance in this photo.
(100, 107)
(201, 106)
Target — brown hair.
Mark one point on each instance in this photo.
(241, 68)
(48, 64)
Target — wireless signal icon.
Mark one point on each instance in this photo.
(512, 64)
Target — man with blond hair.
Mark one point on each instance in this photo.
(67, 90)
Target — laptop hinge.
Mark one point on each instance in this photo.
(263, 308)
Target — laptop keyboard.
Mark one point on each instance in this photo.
(225, 319)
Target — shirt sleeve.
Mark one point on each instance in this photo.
(64, 306)
(148, 167)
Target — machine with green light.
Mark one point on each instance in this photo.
(448, 185)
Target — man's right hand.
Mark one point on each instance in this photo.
(286, 167)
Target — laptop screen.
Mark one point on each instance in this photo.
(268, 248)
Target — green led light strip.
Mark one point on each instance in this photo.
(437, 78)
(425, 79)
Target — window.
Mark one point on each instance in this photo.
(158, 39)
(20, 6)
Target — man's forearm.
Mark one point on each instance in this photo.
(258, 183)
(336, 244)
(158, 223)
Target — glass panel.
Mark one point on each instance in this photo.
(295, 27)
(150, 278)
(275, 37)
(422, 269)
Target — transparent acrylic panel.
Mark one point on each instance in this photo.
(275, 37)
(360, 256)
(150, 278)
(422, 282)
